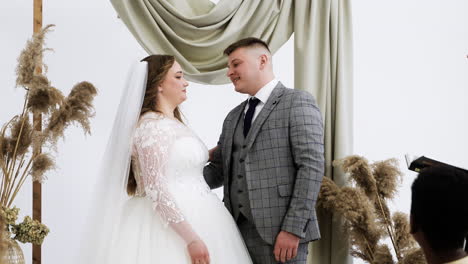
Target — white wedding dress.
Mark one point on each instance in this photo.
(173, 205)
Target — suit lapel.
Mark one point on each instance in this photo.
(271, 103)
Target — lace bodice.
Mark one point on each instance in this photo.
(167, 154)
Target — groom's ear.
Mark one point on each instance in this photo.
(263, 61)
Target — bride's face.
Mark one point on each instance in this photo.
(173, 87)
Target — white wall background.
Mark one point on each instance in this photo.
(411, 82)
(411, 88)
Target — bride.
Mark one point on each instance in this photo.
(152, 204)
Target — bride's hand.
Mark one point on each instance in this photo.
(198, 252)
(210, 153)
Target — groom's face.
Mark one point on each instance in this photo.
(243, 70)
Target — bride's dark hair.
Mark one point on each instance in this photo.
(158, 67)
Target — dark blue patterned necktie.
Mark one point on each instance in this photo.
(253, 102)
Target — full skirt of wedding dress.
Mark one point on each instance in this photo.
(143, 238)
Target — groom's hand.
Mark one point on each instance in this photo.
(286, 246)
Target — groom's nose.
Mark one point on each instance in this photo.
(229, 72)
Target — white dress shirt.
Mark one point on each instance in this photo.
(263, 94)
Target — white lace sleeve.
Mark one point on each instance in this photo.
(152, 143)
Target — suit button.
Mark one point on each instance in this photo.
(241, 160)
(239, 176)
(240, 206)
(239, 191)
(244, 146)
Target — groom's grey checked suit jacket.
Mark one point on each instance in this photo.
(284, 164)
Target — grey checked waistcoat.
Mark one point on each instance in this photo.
(238, 190)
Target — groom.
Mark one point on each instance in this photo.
(270, 159)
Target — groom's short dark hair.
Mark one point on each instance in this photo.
(246, 42)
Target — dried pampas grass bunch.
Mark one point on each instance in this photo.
(22, 139)
(367, 219)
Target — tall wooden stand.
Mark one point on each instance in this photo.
(37, 120)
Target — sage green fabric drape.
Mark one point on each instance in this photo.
(323, 66)
(197, 32)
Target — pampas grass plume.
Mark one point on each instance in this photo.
(327, 195)
(42, 163)
(360, 172)
(31, 58)
(5, 148)
(80, 103)
(387, 175)
(44, 97)
(357, 209)
(76, 108)
(403, 237)
(382, 255)
(414, 257)
(21, 134)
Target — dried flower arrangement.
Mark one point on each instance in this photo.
(21, 145)
(366, 216)
(28, 231)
